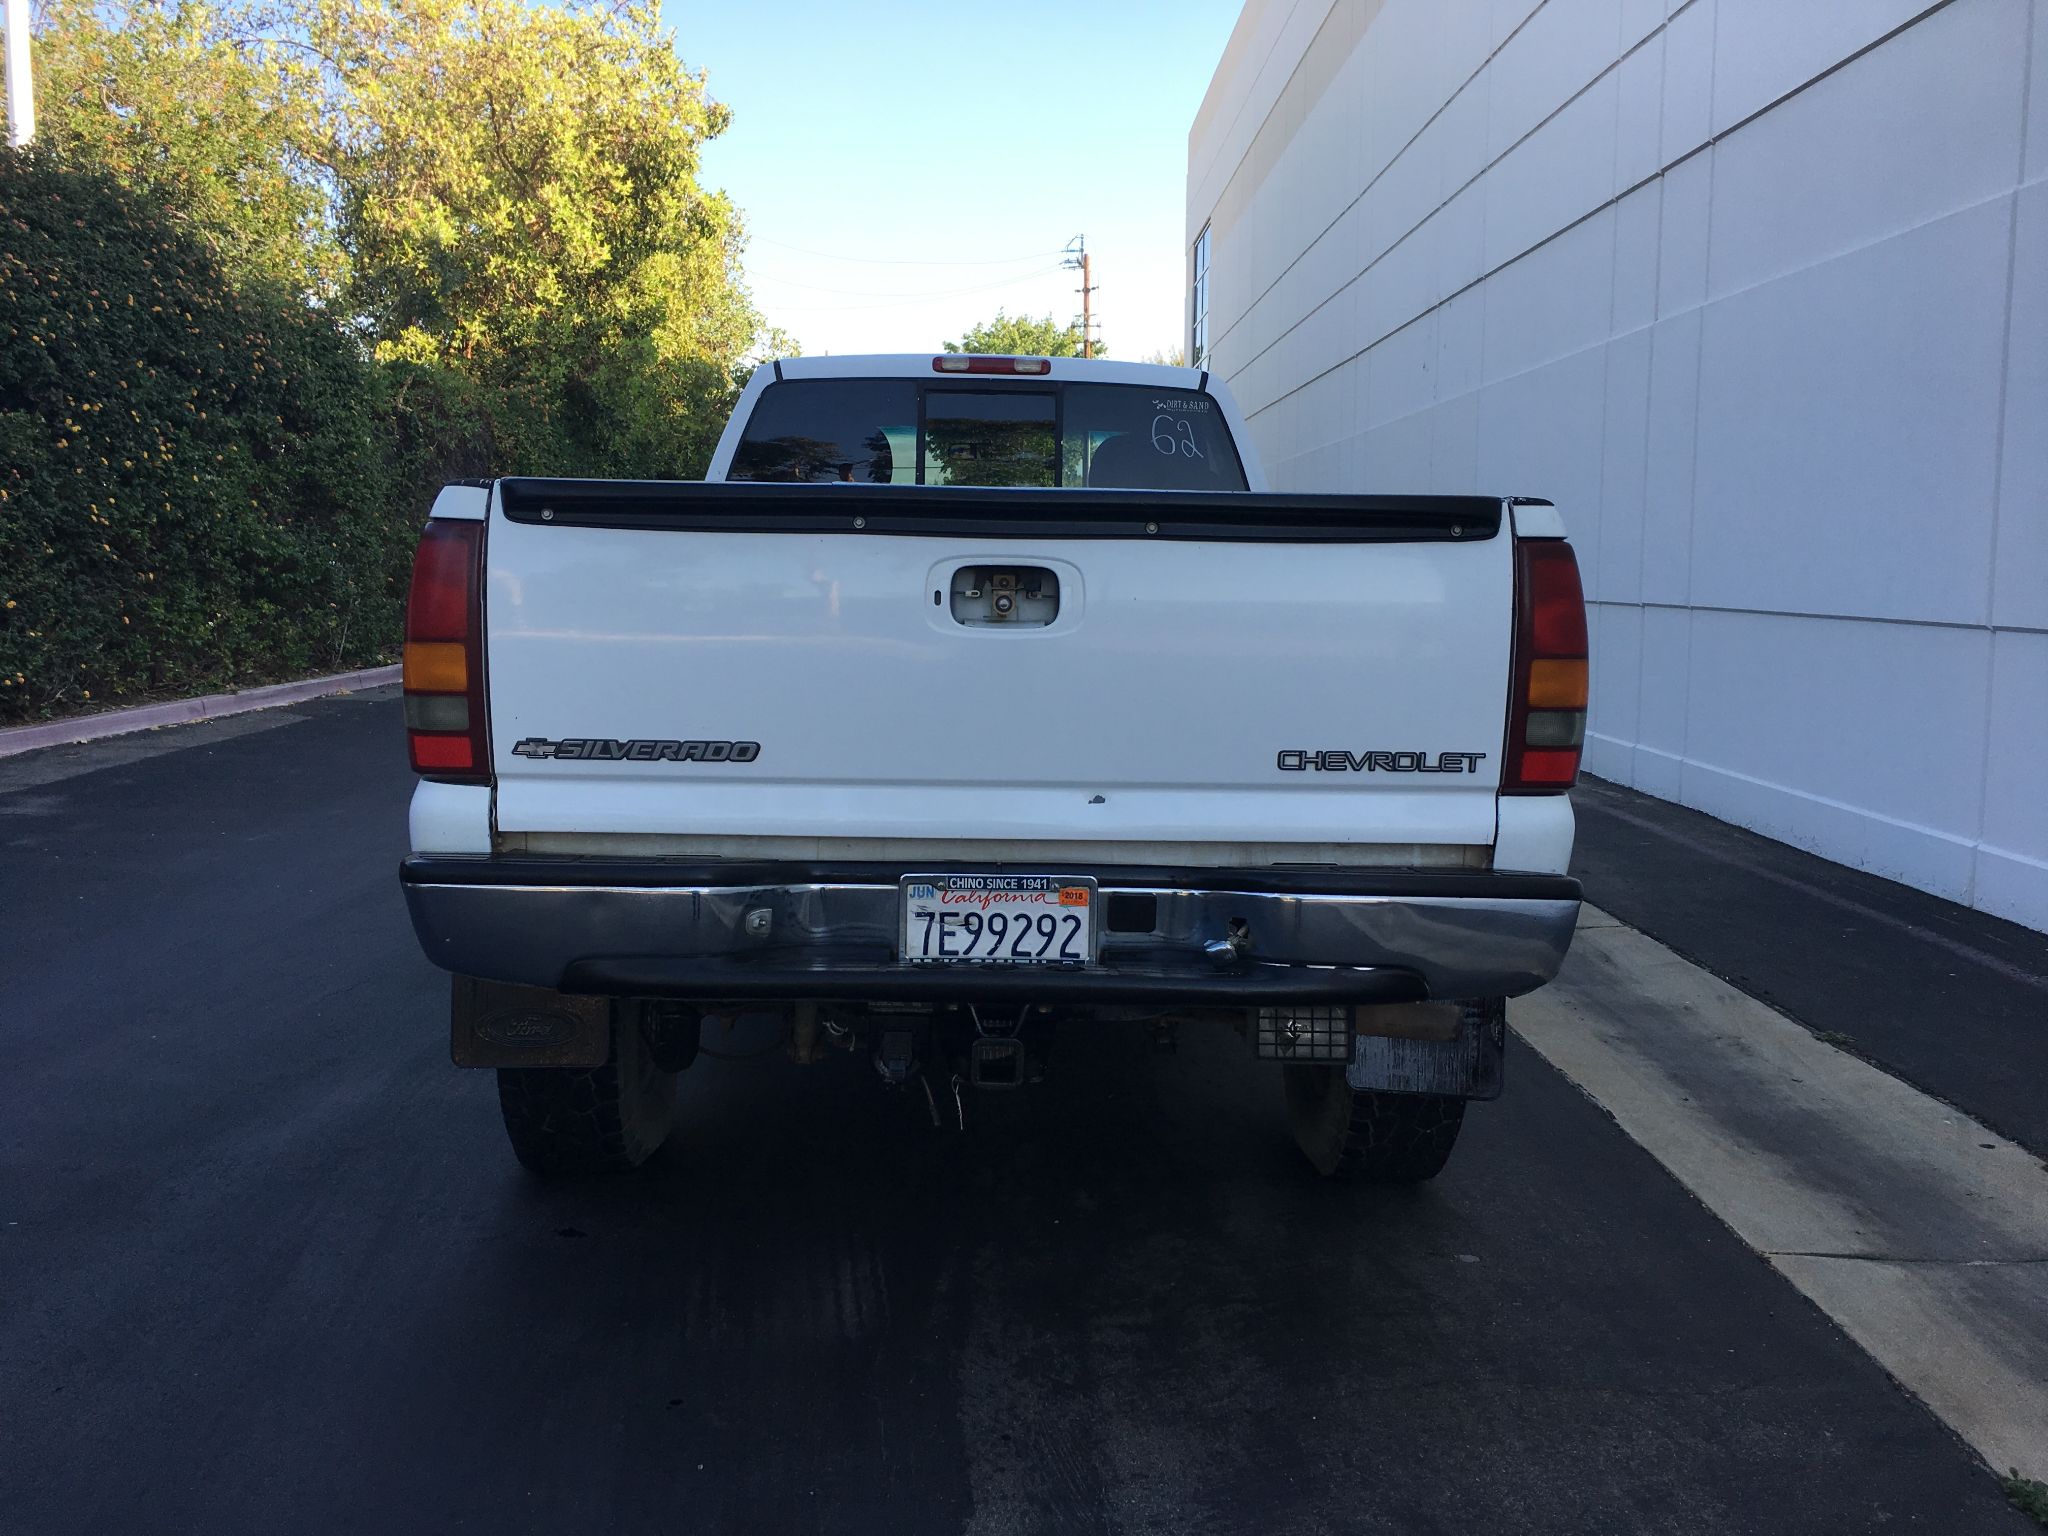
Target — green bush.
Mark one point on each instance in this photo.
(199, 484)
(208, 483)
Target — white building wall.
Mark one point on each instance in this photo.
(1757, 292)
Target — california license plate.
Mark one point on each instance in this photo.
(998, 920)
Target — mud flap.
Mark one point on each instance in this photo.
(1468, 1065)
(496, 1024)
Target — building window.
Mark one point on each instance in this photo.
(1198, 328)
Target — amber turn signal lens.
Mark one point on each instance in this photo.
(436, 666)
(1557, 684)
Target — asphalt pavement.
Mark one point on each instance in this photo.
(267, 1264)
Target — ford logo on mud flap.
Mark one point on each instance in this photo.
(528, 1031)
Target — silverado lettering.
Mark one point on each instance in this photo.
(599, 750)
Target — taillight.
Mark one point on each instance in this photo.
(980, 362)
(1547, 711)
(444, 673)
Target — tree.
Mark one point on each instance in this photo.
(311, 258)
(519, 195)
(500, 199)
(1021, 336)
(218, 124)
(512, 171)
(1176, 357)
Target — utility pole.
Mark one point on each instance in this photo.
(21, 87)
(1077, 258)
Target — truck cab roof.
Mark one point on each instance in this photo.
(897, 365)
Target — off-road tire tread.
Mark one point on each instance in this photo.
(568, 1122)
(1371, 1137)
(1400, 1138)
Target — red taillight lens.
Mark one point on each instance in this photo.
(444, 672)
(1547, 711)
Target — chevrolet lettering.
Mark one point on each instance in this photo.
(1337, 761)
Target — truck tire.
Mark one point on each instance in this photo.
(1374, 1138)
(565, 1122)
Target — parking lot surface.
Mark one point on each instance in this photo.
(269, 1265)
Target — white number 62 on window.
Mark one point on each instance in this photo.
(1165, 440)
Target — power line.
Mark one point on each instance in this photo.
(921, 298)
(906, 261)
(865, 293)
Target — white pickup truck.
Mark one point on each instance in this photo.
(969, 698)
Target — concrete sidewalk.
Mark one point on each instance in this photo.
(210, 706)
(1921, 1233)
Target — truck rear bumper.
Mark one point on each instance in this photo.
(830, 931)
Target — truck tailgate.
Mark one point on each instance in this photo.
(1241, 678)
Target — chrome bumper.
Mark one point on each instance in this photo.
(831, 932)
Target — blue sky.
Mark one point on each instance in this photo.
(953, 149)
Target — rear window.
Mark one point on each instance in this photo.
(991, 437)
(906, 432)
(832, 429)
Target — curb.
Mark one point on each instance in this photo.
(147, 717)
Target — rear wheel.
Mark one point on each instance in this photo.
(567, 1121)
(1376, 1138)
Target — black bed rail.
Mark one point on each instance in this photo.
(966, 511)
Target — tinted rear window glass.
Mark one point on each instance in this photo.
(832, 429)
(1130, 438)
(990, 437)
(907, 432)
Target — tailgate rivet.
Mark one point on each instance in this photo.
(1151, 527)
(547, 514)
(860, 522)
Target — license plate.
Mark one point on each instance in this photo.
(998, 920)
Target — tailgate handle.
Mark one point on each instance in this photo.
(1005, 596)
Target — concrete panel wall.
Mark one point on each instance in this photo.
(1757, 292)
